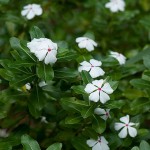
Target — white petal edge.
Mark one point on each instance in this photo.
(94, 96)
(90, 88)
(91, 142)
(132, 131)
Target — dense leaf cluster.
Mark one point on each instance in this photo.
(63, 101)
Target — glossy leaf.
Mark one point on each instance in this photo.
(55, 146)
(144, 145)
(140, 83)
(29, 143)
(98, 124)
(45, 72)
(35, 32)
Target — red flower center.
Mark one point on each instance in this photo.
(126, 125)
(92, 66)
(99, 89)
(107, 113)
(99, 141)
(49, 49)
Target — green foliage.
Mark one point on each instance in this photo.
(59, 115)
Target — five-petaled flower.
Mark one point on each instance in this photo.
(93, 66)
(121, 59)
(31, 10)
(99, 144)
(115, 5)
(44, 49)
(104, 114)
(126, 127)
(99, 90)
(85, 42)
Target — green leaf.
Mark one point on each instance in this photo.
(114, 84)
(35, 32)
(71, 103)
(45, 72)
(86, 112)
(66, 56)
(36, 102)
(86, 77)
(74, 119)
(98, 124)
(4, 1)
(79, 143)
(20, 80)
(66, 73)
(140, 105)
(139, 56)
(5, 146)
(144, 145)
(135, 148)
(55, 146)
(146, 59)
(29, 143)
(140, 83)
(78, 89)
(115, 104)
(21, 49)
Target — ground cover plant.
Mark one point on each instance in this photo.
(75, 75)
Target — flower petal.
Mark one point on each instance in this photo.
(97, 147)
(50, 58)
(91, 142)
(40, 54)
(104, 117)
(107, 88)
(95, 63)
(104, 146)
(132, 131)
(79, 39)
(90, 88)
(123, 133)
(94, 96)
(118, 126)
(96, 72)
(85, 63)
(82, 44)
(24, 12)
(99, 111)
(93, 42)
(103, 140)
(104, 97)
(30, 15)
(98, 83)
(125, 119)
(89, 46)
(131, 124)
(37, 9)
(80, 68)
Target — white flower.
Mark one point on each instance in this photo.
(99, 144)
(44, 49)
(85, 42)
(121, 59)
(99, 90)
(125, 127)
(28, 86)
(3, 133)
(93, 67)
(115, 5)
(43, 119)
(31, 10)
(42, 83)
(104, 114)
